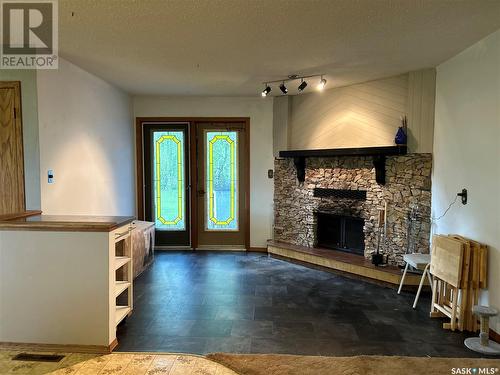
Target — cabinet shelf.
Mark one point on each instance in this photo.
(121, 261)
(121, 286)
(122, 236)
(121, 313)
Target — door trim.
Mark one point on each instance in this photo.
(140, 122)
(20, 198)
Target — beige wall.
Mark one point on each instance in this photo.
(467, 152)
(281, 118)
(86, 138)
(420, 109)
(362, 115)
(30, 132)
(260, 112)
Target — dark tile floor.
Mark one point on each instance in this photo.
(202, 302)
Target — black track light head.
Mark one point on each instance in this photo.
(283, 88)
(302, 85)
(266, 91)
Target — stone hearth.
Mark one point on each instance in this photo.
(408, 183)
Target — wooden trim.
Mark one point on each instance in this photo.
(67, 223)
(19, 215)
(192, 121)
(193, 146)
(333, 152)
(258, 249)
(58, 348)
(340, 261)
(139, 169)
(494, 336)
(247, 203)
(113, 345)
(352, 276)
(16, 86)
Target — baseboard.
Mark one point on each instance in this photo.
(494, 336)
(172, 248)
(220, 248)
(258, 249)
(57, 348)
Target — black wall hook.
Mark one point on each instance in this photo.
(463, 194)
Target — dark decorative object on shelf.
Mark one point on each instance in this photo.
(401, 136)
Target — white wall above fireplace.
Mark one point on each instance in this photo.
(362, 115)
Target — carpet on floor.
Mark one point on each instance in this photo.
(270, 364)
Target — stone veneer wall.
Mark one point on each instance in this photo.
(408, 184)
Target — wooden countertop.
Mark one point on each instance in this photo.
(34, 220)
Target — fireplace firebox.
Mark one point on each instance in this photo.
(340, 232)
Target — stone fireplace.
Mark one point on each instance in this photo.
(337, 205)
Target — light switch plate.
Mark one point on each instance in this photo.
(50, 176)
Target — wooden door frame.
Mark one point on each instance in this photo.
(192, 121)
(16, 86)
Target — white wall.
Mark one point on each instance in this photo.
(86, 138)
(30, 133)
(420, 109)
(260, 112)
(467, 151)
(362, 115)
(281, 118)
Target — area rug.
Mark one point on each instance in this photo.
(114, 364)
(268, 364)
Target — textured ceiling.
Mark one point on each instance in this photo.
(228, 47)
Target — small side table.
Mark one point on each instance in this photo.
(420, 262)
(483, 344)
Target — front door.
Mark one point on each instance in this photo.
(195, 186)
(221, 185)
(166, 182)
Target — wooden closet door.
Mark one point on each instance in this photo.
(11, 149)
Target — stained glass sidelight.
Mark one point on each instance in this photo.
(169, 180)
(222, 180)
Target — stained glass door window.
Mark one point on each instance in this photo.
(221, 180)
(169, 183)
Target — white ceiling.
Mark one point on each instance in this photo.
(229, 47)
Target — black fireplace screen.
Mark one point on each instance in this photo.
(340, 232)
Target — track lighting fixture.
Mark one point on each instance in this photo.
(266, 91)
(292, 77)
(322, 84)
(302, 85)
(283, 88)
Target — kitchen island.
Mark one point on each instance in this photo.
(65, 281)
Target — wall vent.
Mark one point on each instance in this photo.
(340, 193)
(37, 357)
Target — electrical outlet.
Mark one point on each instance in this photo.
(50, 176)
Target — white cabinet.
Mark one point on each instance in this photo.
(121, 277)
(65, 282)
